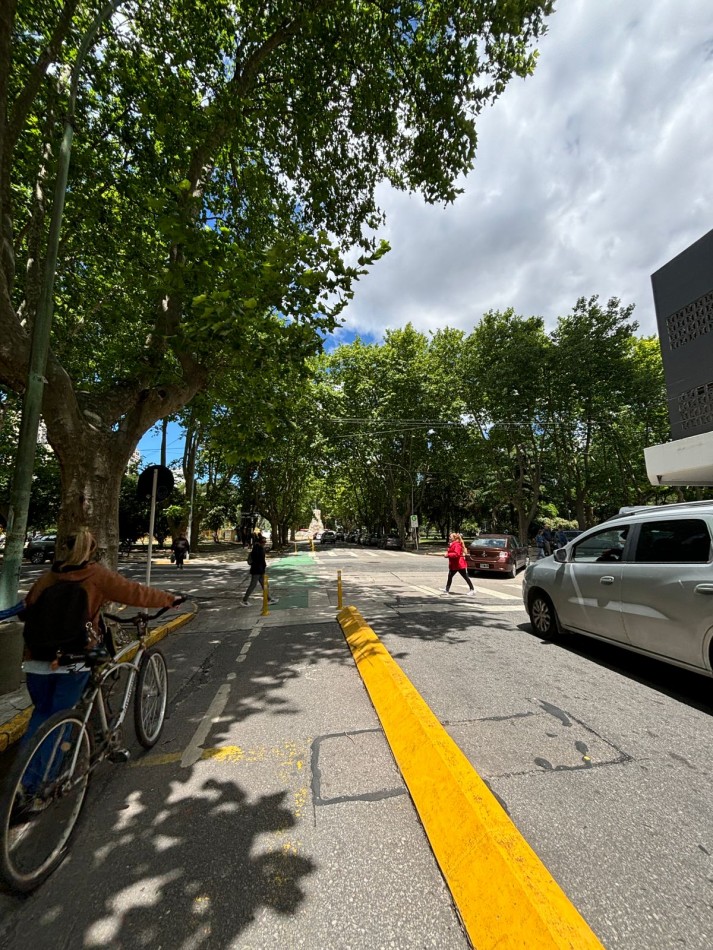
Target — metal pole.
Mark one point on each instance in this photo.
(151, 524)
(339, 590)
(190, 518)
(265, 595)
(32, 402)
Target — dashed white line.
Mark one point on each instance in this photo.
(192, 751)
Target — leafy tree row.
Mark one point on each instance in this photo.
(504, 427)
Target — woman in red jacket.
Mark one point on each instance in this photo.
(457, 563)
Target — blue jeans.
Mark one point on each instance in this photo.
(50, 693)
(254, 580)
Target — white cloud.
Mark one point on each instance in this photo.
(590, 175)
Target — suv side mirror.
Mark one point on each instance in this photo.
(560, 555)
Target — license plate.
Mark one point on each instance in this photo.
(484, 567)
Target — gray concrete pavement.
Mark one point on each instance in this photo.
(271, 813)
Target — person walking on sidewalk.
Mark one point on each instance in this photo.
(180, 548)
(257, 562)
(457, 563)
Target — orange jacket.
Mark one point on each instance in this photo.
(101, 585)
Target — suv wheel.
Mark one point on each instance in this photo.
(543, 617)
(37, 557)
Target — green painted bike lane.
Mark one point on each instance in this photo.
(292, 579)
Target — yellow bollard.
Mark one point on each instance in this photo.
(339, 590)
(295, 547)
(311, 541)
(265, 595)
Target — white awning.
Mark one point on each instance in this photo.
(683, 462)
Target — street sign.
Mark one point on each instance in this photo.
(414, 521)
(164, 482)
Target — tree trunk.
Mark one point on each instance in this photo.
(90, 494)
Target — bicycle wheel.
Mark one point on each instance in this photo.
(44, 795)
(150, 699)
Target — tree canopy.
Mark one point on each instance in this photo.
(221, 197)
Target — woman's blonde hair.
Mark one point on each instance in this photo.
(80, 546)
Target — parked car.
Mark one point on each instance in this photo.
(571, 534)
(340, 534)
(328, 537)
(392, 543)
(40, 549)
(317, 536)
(502, 553)
(353, 537)
(642, 581)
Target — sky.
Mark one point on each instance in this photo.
(590, 175)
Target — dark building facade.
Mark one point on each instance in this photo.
(683, 297)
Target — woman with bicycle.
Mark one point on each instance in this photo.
(54, 685)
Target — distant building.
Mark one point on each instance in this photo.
(683, 296)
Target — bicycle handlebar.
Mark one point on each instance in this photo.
(143, 617)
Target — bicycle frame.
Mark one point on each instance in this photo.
(93, 698)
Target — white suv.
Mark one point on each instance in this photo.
(642, 580)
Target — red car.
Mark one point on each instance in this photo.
(496, 552)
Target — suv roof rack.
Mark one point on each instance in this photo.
(637, 509)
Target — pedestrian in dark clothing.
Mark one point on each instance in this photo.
(257, 570)
(548, 539)
(180, 548)
(457, 563)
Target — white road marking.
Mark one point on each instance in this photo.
(193, 750)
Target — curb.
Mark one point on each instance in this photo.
(12, 731)
(504, 894)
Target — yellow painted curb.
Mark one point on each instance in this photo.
(505, 895)
(13, 730)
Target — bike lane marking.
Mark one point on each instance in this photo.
(193, 751)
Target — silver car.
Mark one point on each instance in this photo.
(642, 580)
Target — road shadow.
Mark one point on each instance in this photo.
(693, 689)
(138, 879)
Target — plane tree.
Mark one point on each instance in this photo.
(225, 162)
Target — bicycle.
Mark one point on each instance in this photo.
(48, 782)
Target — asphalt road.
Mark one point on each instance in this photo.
(271, 814)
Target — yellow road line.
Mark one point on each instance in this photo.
(505, 895)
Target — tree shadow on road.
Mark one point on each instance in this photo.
(150, 885)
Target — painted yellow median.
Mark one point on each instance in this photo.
(505, 895)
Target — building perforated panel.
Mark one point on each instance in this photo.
(696, 408)
(692, 321)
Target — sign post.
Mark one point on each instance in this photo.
(156, 483)
(414, 529)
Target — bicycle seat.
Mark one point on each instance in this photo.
(97, 656)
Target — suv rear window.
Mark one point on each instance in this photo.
(684, 541)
